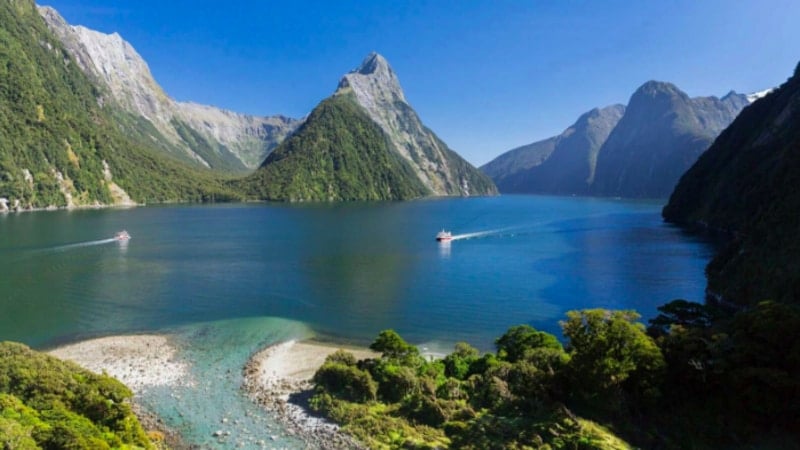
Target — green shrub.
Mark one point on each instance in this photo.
(60, 405)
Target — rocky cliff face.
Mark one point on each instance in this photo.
(570, 166)
(376, 88)
(661, 135)
(207, 135)
(250, 138)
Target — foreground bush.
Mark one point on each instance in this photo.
(52, 404)
(465, 400)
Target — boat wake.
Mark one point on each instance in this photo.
(478, 234)
(62, 248)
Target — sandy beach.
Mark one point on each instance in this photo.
(139, 361)
(279, 378)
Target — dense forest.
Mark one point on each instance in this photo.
(697, 377)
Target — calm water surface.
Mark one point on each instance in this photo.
(228, 279)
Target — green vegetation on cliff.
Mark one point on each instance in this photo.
(52, 404)
(339, 153)
(55, 136)
(745, 186)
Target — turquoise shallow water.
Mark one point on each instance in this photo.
(228, 279)
(216, 353)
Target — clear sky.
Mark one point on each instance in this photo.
(486, 76)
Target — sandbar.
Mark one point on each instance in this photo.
(139, 361)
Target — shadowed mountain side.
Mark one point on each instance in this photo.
(745, 186)
(660, 136)
(636, 151)
(570, 167)
(519, 160)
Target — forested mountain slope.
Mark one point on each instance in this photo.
(746, 185)
(58, 146)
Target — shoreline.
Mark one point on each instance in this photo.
(278, 378)
(139, 362)
(20, 209)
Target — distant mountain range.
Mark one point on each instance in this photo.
(564, 164)
(636, 151)
(83, 122)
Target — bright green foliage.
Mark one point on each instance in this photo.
(342, 357)
(458, 363)
(48, 403)
(612, 356)
(339, 153)
(520, 339)
(392, 346)
(559, 429)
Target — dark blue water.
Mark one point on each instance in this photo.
(346, 271)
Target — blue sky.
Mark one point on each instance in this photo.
(486, 76)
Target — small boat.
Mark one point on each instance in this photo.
(444, 236)
(122, 236)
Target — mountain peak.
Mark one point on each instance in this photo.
(373, 63)
(654, 87)
(373, 82)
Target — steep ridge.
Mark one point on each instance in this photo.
(58, 146)
(365, 143)
(745, 186)
(338, 154)
(376, 89)
(660, 136)
(205, 135)
(570, 167)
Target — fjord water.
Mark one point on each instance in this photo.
(228, 279)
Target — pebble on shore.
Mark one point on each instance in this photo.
(139, 361)
(279, 379)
